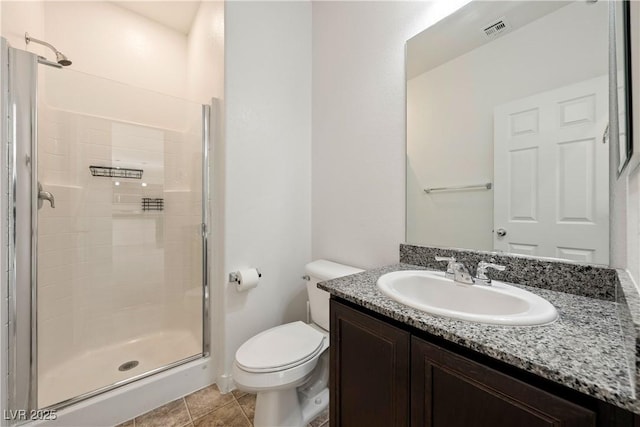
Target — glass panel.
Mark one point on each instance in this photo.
(120, 256)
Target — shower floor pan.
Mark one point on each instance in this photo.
(106, 366)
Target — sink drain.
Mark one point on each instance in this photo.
(128, 365)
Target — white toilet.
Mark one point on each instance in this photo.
(288, 365)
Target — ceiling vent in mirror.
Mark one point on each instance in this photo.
(496, 28)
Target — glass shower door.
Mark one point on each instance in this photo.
(120, 283)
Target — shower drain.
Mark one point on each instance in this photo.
(128, 365)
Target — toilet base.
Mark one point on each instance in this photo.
(283, 408)
(312, 407)
(278, 408)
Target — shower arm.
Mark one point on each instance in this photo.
(29, 39)
(61, 58)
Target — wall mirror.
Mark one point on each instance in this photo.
(620, 44)
(507, 111)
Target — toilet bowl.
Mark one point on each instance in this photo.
(288, 366)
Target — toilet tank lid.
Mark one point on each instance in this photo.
(327, 270)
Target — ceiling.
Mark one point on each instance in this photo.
(175, 14)
(462, 31)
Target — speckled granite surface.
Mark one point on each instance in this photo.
(584, 349)
(563, 276)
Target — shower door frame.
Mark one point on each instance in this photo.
(20, 141)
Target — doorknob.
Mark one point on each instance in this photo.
(605, 135)
(45, 195)
(501, 232)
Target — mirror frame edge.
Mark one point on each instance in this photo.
(628, 101)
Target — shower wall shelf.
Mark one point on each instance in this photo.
(111, 172)
(149, 204)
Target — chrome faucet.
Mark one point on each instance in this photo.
(461, 274)
(481, 272)
(456, 271)
(451, 260)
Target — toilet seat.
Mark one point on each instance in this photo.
(280, 348)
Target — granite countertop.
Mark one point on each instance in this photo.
(584, 349)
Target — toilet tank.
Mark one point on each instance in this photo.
(319, 271)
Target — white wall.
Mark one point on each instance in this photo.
(267, 156)
(205, 51)
(105, 40)
(358, 156)
(450, 117)
(19, 17)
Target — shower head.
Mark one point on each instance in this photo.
(60, 57)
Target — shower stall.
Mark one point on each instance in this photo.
(106, 190)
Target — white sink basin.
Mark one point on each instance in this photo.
(498, 304)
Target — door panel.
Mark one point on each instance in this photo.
(369, 371)
(120, 257)
(551, 174)
(449, 390)
(22, 77)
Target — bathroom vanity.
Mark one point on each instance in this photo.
(526, 184)
(389, 375)
(392, 365)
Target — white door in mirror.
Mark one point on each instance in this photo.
(552, 172)
(499, 304)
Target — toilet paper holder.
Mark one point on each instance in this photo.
(234, 277)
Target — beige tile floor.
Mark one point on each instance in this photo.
(208, 408)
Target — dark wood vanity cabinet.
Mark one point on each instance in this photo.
(448, 390)
(382, 375)
(369, 371)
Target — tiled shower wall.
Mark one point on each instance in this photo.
(108, 272)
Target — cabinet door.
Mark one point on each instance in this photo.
(369, 371)
(449, 390)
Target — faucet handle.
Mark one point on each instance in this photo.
(481, 271)
(451, 261)
(483, 265)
